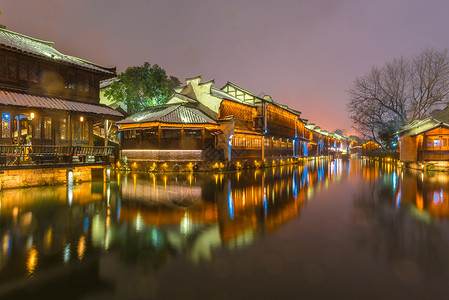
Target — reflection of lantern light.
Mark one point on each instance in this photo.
(31, 261)
(81, 247)
(67, 253)
(70, 177)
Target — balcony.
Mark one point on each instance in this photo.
(17, 157)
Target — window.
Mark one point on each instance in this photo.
(23, 71)
(2, 66)
(12, 69)
(85, 126)
(6, 125)
(171, 133)
(192, 133)
(130, 134)
(47, 128)
(63, 128)
(437, 143)
(34, 73)
(37, 128)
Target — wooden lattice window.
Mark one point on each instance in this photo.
(23, 71)
(12, 69)
(34, 73)
(47, 128)
(6, 125)
(2, 66)
(37, 127)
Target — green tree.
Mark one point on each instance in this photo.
(142, 86)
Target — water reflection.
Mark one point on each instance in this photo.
(397, 218)
(148, 220)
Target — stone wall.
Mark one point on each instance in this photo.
(44, 176)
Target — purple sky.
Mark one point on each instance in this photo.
(303, 53)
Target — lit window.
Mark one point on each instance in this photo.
(37, 127)
(6, 125)
(47, 128)
(63, 126)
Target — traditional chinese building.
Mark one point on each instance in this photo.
(230, 125)
(426, 140)
(281, 127)
(49, 103)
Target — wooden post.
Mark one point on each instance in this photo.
(69, 130)
(203, 131)
(159, 134)
(106, 134)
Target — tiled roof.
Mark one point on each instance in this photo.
(107, 82)
(174, 114)
(18, 42)
(26, 100)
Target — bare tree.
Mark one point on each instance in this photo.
(398, 92)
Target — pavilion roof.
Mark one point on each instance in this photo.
(34, 47)
(15, 99)
(174, 114)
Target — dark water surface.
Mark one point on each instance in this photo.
(327, 230)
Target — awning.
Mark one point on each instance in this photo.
(26, 100)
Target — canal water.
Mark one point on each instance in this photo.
(327, 230)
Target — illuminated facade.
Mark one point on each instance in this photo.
(426, 140)
(49, 103)
(231, 124)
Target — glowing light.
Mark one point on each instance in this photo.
(81, 247)
(81, 119)
(66, 254)
(32, 115)
(139, 223)
(230, 202)
(70, 195)
(70, 177)
(186, 224)
(32, 261)
(398, 198)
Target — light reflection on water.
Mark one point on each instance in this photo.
(328, 223)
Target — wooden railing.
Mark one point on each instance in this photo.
(11, 155)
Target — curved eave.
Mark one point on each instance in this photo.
(144, 125)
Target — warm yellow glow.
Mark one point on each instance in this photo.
(32, 261)
(81, 247)
(419, 202)
(32, 115)
(48, 237)
(135, 181)
(156, 124)
(5, 244)
(81, 119)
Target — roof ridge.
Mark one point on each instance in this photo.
(48, 43)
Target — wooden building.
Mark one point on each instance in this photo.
(49, 103)
(426, 140)
(282, 128)
(200, 123)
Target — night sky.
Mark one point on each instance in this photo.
(303, 53)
